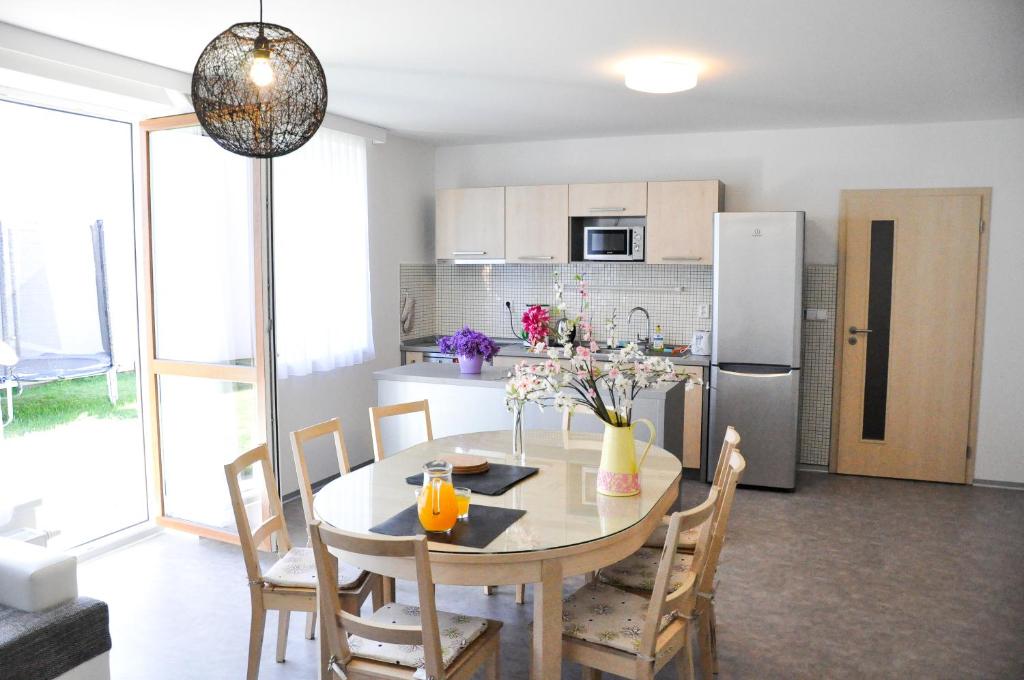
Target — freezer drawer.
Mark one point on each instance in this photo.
(764, 409)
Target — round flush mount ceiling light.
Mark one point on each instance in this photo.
(259, 90)
(660, 76)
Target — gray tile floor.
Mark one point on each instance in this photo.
(847, 578)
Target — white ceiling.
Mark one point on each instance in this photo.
(462, 71)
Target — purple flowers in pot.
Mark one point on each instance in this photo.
(468, 343)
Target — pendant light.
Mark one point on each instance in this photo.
(259, 90)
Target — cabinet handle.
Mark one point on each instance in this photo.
(536, 257)
(607, 210)
(683, 258)
(456, 253)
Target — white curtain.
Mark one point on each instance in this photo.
(322, 256)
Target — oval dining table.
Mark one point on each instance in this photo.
(567, 529)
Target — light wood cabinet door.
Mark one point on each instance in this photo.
(537, 224)
(470, 224)
(693, 420)
(608, 200)
(680, 221)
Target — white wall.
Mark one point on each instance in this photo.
(401, 201)
(805, 170)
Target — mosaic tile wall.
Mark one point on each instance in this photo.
(677, 296)
(417, 284)
(816, 365)
(672, 294)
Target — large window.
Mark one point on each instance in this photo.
(72, 465)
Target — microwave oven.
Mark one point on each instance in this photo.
(613, 243)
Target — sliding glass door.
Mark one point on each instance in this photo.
(203, 322)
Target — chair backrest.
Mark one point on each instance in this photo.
(730, 443)
(575, 409)
(299, 440)
(718, 524)
(378, 413)
(339, 624)
(249, 538)
(710, 516)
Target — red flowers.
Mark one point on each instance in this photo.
(535, 323)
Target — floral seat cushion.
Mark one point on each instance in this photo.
(639, 570)
(607, 616)
(457, 632)
(687, 538)
(297, 569)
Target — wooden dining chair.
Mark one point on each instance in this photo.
(378, 413)
(300, 438)
(289, 585)
(688, 540)
(607, 629)
(574, 410)
(397, 640)
(640, 572)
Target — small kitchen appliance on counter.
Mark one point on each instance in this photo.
(755, 342)
(701, 344)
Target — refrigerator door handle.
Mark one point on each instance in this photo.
(756, 370)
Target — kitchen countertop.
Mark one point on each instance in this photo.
(514, 348)
(489, 376)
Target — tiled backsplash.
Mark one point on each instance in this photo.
(448, 296)
(417, 283)
(816, 365)
(672, 294)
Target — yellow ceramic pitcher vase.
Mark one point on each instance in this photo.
(619, 474)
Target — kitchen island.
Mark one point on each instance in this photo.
(462, 403)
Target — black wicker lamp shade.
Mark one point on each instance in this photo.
(264, 120)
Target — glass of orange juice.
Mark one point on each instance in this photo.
(436, 504)
(462, 495)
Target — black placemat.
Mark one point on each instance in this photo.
(497, 480)
(483, 526)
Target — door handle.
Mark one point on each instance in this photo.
(853, 334)
(536, 257)
(683, 258)
(609, 209)
(456, 253)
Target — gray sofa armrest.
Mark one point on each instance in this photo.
(43, 645)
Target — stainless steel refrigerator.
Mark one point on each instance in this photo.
(755, 342)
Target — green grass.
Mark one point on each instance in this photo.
(47, 406)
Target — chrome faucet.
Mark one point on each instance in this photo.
(643, 342)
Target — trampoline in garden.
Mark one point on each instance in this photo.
(52, 326)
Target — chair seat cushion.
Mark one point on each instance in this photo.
(607, 616)
(639, 570)
(687, 539)
(457, 632)
(297, 569)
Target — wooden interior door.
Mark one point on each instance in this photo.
(202, 323)
(908, 318)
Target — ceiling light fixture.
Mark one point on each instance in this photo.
(660, 76)
(259, 90)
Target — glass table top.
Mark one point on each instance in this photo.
(561, 502)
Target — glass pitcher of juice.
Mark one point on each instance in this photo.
(437, 506)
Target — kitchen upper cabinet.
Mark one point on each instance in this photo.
(680, 221)
(608, 200)
(470, 224)
(537, 224)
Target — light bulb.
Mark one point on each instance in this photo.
(660, 76)
(261, 72)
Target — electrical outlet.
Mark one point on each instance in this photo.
(705, 311)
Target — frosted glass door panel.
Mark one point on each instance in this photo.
(201, 213)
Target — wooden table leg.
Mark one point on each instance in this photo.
(547, 623)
